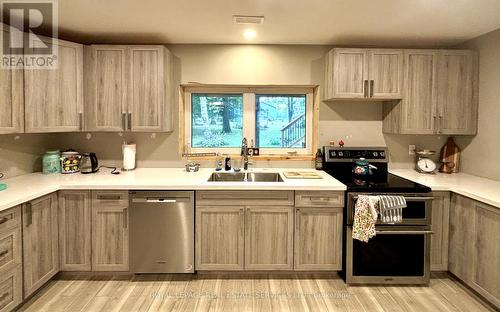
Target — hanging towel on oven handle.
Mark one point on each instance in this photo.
(391, 208)
(365, 217)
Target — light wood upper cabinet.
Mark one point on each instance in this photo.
(106, 88)
(110, 245)
(54, 97)
(318, 239)
(439, 94)
(385, 73)
(440, 229)
(11, 99)
(363, 74)
(74, 230)
(346, 74)
(40, 242)
(219, 238)
(269, 238)
(129, 88)
(457, 92)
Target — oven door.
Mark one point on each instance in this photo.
(417, 211)
(396, 255)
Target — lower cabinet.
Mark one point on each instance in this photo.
(40, 242)
(219, 238)
(440, 229)
(318, 239)
(269, 238)
(74, 230)
(474, 252)
(110, 245)
(11, 289)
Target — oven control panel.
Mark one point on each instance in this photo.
(346, 154)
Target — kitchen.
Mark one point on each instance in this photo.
(151, 95)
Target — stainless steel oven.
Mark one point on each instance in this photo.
(399, 253)
(417, 212)
(396, 255)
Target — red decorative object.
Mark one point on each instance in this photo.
(341, 143)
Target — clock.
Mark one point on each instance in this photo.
(424, 164)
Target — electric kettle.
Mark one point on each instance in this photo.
(89, 163)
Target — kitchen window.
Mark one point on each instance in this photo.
(277, 119)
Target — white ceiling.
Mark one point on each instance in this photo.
(339, 22)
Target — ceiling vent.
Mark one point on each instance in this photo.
(245, 19)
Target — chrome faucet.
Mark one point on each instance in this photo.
(244, 153)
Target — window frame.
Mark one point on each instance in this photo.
(249, 117)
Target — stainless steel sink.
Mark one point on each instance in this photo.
(245, 177)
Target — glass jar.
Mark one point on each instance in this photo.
(51, 162)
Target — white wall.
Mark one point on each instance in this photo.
(481, 154)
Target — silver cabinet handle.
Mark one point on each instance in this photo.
(161, 200)
(124, 121)
(109, 197)
(3, 220)
(29, 214)
(3, 296)
(440, 124)
(80, 116)
(130, 121)
(3, 253)
(372, 83)
(405, 232)
(125, 218)
(365, 88)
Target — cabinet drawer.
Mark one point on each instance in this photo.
(10, 288)
(238, 198)
(110, 199)
(10, 218)
(10, 248)
(319, 199)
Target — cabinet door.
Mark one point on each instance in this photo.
(418, 107)
(486, 277)
(457, 88)
(40, 243)
(11, 99)
(349, 75)
(105, 88)
(110, 246)
(11, 289)
(74, 230)
(269, 238)
(385, 73)
(54, 97)
(440, 227)
(219, 238)
(460, 257)
(146, 88)
(318, 239)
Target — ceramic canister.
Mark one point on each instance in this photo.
(51, 163)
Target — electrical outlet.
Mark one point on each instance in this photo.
(411, 149)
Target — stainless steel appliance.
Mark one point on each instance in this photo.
(89, 163)
(162, 231)
(400, 252)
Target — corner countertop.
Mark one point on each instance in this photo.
(480, 189)
(28, 187)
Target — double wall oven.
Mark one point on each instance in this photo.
(400, 252)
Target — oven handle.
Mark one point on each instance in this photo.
(411, 198)
(404, 232)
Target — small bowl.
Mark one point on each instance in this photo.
(192, 167)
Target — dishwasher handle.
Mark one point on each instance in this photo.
(154, 200)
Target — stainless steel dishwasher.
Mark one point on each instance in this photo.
(162, 231)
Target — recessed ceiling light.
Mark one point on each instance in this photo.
(249, 34)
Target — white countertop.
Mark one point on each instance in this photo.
(27, 187)
(481, 189)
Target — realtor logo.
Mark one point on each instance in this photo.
(21, 46)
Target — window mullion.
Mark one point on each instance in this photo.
(249, 117)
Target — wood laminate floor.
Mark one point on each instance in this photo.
(258, 292)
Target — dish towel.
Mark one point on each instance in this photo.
(391, 208)
(365, 217)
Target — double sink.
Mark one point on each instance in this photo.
(245, 177)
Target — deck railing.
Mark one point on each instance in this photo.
(294, 132)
